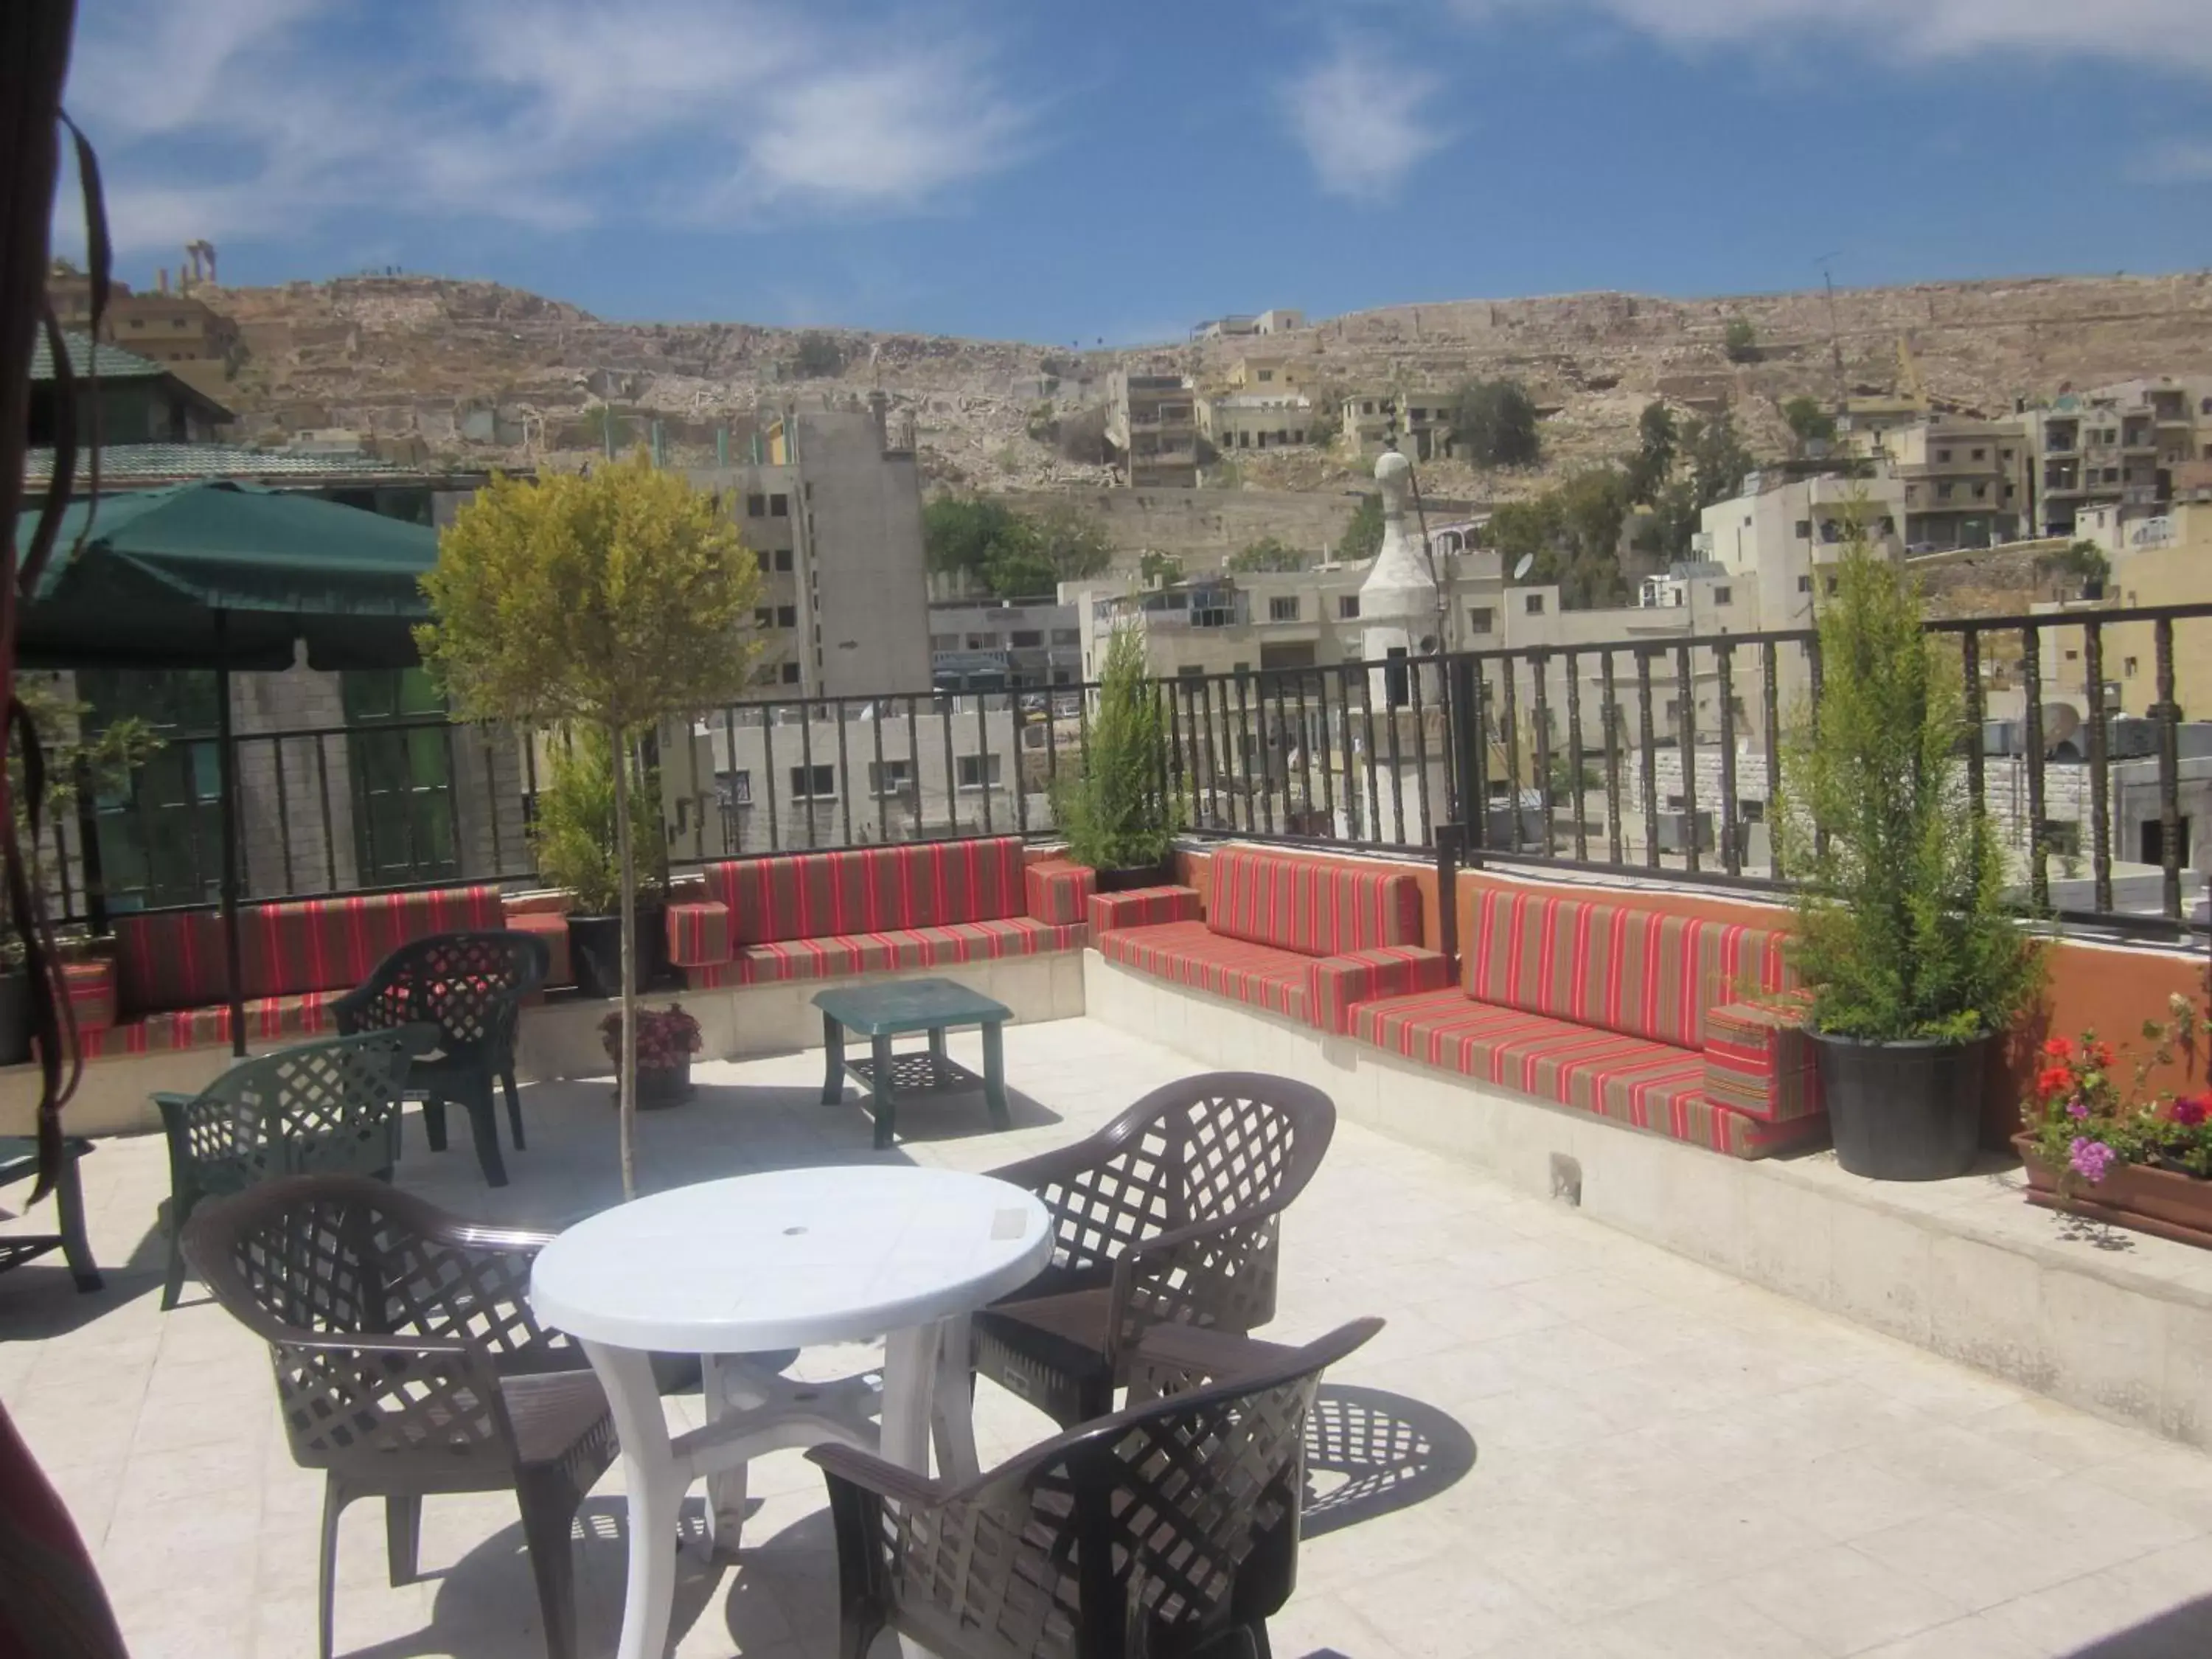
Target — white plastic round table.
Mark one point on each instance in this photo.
(779, 1260)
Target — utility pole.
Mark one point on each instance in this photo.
(1835, 334)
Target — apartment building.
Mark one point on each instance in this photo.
(1151, 426)
(1418, 418)
(1778, 538)
(1240, 421)
(833, 509)
(1965, 483)
(161, 327)
(998, 645)
(2117, 444)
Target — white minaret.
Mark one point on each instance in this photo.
(1398, 617)
(1398, 600)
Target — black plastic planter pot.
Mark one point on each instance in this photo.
(1903, 1111)
(595, 953)
(1130, 877)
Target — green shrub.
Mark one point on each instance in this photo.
(572, 835)
(1903, 928)
(1112, 808)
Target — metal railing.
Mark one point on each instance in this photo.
(1659, 756)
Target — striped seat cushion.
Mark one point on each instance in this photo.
(1760, 1061)
(175, 959)
(1637, 972)
(1629, 1080)
(1058, 891)
(1310, 906)
(552, 927)
(268, 1019)
(804, 896)
(1191, 953)
(1143, 907)
(895, 951)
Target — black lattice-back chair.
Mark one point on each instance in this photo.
(1170, 1213)
(408, 1362)
(1168, 1531)
(470, 986)
(325, 1108)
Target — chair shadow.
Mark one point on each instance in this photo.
(2182, 1632)
(1371, 1453)
(954, 1114)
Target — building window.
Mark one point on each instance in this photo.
(888, 777)
(2127, 668)
(778, 507)
(1723, 596)
(1347, 607)
(1943, 490)
(1804, 530)
(1190, 671)
(1028, 639)
(1804, 584)
(1068, 637)
(787, 615)
(1534, 605)
(1283, 609)
(1267, 373)
(937, 641)
(1479, 619)
(791, 673)
(2072, 656)
(1981, 454)
(976, 771)
(815, 783)
(764, 616)
(1981, 492)
(755, 507)
(1942, 455)
(1367, 409)
(737, 787)
(1831, 587)
(1888, 525)
(783, 560)
(402, 783)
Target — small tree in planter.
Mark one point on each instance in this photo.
(612, 600)
(1912, 953)
(574, 837)
(1112, 807)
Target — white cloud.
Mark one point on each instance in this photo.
(247, 118)
(2166, 32)
(1364, 121)
(2179, 161)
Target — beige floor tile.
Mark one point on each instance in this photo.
(1842, 1602)
(1701, 1624)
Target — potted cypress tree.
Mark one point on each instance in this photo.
(1914, 956)
(1114, 808)
(572, 835)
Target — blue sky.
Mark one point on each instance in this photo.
(1040, 170)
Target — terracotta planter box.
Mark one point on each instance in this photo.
(2150, 1200)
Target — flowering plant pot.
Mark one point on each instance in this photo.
(666, 1040)
(2167, 1203)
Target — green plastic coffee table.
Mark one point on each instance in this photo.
(880, 1013)
(19, 1161)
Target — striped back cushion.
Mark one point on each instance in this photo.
(871, 889)
(1315, 909)
(176, 960)
(1637, 972)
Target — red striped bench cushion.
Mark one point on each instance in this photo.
(1191, 953)
(1638, 972)
(552, 926)
(1314, 908)
(1059, 891)
(1335, 985)
(892, 951)
(798, 895)
(175, 959)
(1758, 1060)
(1143, 907)
(1629, 1080)
(267, 1019)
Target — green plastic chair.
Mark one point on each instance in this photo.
(326, 1108)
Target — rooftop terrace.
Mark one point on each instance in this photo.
(1596, 1449)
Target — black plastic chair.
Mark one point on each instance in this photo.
(470, 986)
(1170, 1214)
(1168, 1531)
(408, 1362)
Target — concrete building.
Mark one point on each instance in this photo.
(1280, 321)
(1255, 420)
(140, 401)
(1776, 539)
(1151, 426)
(1419, 419)
(1266, 374)
(1966, 483)
(162, 327)
(2117, 444)
(833, 509)
(998, 645)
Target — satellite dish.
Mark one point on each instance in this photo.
(1522, 568)
(2061, 720)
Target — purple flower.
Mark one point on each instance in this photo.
(2090, 1158)
(2077, 1109)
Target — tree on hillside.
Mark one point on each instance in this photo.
(818, 355)
(1740, 341)
(991, 545)
(612, 601)
(1571, 532)
(1362, 536)
(961, 534)
(1716, 458)
(1656, 437)
(1811, 423)
(1159, 570)
(1493, 423)
(1269, 553)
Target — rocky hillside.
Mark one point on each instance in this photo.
(481, 373)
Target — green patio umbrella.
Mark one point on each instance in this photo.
(216, 575)
(227, 576)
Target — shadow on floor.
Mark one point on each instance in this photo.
(1369, 1452)
(956, 1114)
(2182, 1632)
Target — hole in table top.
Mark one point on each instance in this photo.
(793, 1232)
